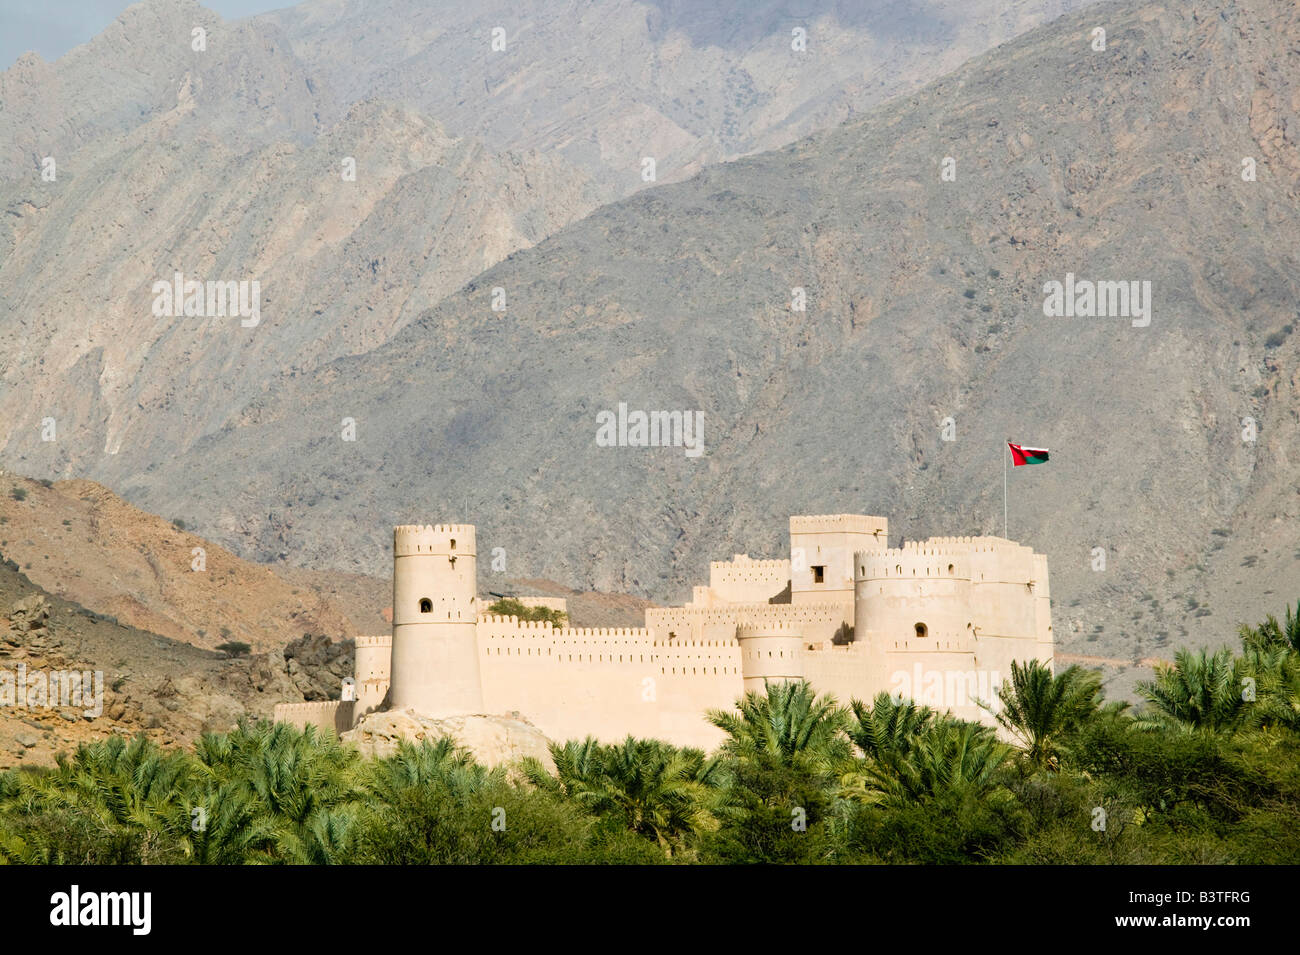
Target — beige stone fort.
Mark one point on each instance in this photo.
(937, 620)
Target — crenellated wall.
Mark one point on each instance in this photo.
(819, 622)
(744, 580)
(939, 620)
(606, 682)
(371, 669)
(821, 555)
(942, 619)
(330, 715)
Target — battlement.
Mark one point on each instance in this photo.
(958, 558)
(379, 641)
(334, 716)
(774, 628)
(941, 565)
(745, 580)
(941, 640)
(603, 633)
(939, 546)
(749, 563)
(442, 539)
(737, 612)
(838, 524)
(512, 622)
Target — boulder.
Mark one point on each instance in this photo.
(494, 740)
(30, 613)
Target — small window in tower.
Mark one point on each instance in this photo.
(453, 543)
(426, 605)
(819, 574)
(922, 630)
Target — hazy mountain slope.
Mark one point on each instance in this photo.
(169, 690)
(340, 265)
(606, 84)
(246, 78)
(225, 164)
(925, 301)
(79, 541)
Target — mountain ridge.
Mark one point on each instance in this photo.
(841, 409)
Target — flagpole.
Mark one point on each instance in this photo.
(1006, 448)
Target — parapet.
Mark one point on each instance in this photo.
(441, 539)
(495, 624)
(331, 715)
(939, 557)
(375, 642)
(934, 546)
(750, 630)
(838, 524)
(744, 560)
(593, 634)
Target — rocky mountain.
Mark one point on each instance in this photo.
(381, 386)
(137, 682)
(79, 541)
(1172, 441)
(607, 84)
(349, 165)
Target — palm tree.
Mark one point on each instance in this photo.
(655, 789)
(1271, 658)
(419, 765)
(1200, 691)
(889, 726)
(118, 800)
(262, 787)
(789, 725)
(783, 756)
(1273, 635)
(1039, 710)
(952, 758)
(577, 765)
(1277, 688)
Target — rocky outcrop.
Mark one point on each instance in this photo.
(28, 614)
(924, 302)
(494, 740)
(317, 665)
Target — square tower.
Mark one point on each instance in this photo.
(821, 554)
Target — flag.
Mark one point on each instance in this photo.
(1022, 455)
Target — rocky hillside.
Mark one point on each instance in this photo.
(360, 162)
(169, 690)
(81, 542)
(925, 302)
(78, 540)
(607, 84)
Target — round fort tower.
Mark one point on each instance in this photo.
(434, 666)
(371, 668)
(769, 653)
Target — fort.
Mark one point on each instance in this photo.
(939, 620)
